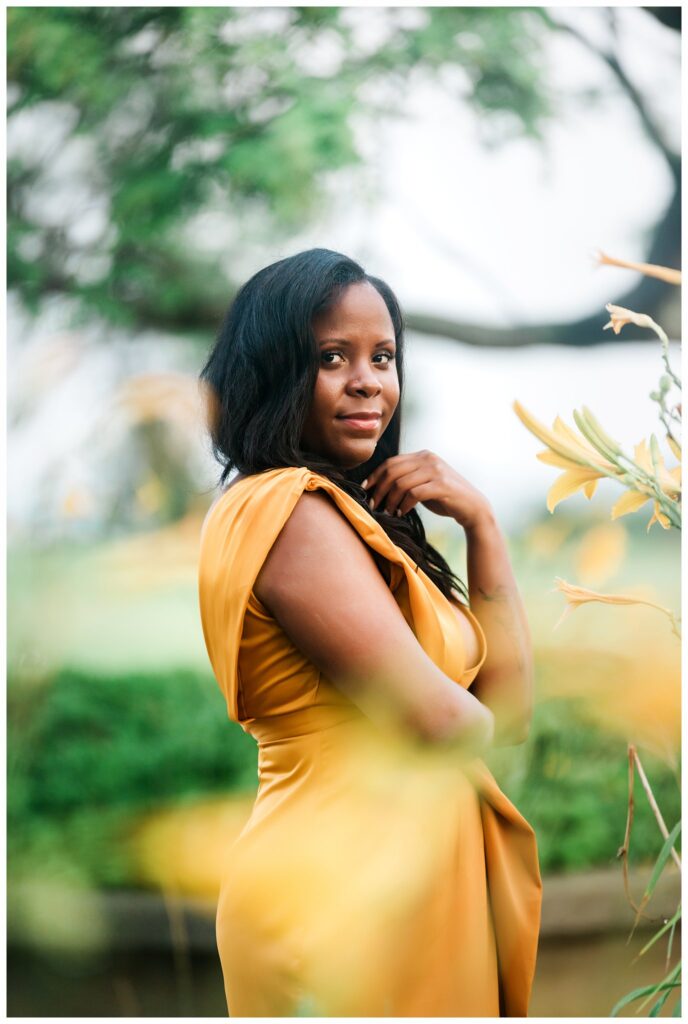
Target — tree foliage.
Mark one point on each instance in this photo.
(179, 112)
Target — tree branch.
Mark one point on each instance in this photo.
(649, 124)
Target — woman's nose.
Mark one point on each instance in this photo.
(365, 380)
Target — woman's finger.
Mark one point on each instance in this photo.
(382, 479)
(418, 492)
(401, 487)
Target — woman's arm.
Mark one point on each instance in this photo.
(322, 585)
(505, 681)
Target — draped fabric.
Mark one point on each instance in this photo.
(375, 876)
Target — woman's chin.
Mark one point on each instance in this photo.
(351, 455)
(356, 454)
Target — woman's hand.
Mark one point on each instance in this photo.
(401, 481)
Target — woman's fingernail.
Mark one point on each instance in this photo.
(365, 482)
(371, 502)
(398, 512)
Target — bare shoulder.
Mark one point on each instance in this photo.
(316, 545)
(322, 584)
(313, 508)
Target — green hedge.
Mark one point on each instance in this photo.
(570, 781)
(87, 753)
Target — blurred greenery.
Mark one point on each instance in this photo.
(88, 754)
(185, 110)
(113, 712)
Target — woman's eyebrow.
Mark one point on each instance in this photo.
(346, 341)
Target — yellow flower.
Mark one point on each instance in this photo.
(631, 501)
(675, 447)
(569, 482)
(605, 670)
(576, 596)
(600, 553)
(568, 449)
(620, 317)
(649, 269)
(669, 480)
(584, 465)
(659, 517)
(572, 452)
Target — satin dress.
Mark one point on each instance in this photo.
(375, 876)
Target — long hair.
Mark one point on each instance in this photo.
(261, 374)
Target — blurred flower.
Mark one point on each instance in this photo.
(576, 596)
(153, 558)
(57, 916)
(649, 269)
(78, 502)
(544, 539)
(630, 687)
(162, 396)
(675, 447)
(182, 849)
(150, 494)
(601, 552)
(620, 317)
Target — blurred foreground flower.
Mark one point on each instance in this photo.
(57, 916)
(577, 596)
(628, 686)
(601, 552)
(182, 849)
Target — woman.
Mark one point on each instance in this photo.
(382, 872)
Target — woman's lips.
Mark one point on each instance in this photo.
(367, 425)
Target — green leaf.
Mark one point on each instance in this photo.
(668, 980)
(654, 1012)
(638, 992)
(671, 923)
(664, 855)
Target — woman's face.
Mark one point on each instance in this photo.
(357, 377)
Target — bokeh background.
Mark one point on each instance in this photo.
(474, 157)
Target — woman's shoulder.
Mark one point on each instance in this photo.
(246, 488)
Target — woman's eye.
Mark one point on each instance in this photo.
(390, 356)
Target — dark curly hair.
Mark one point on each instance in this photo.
(261, 374)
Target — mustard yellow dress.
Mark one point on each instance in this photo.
(374, 877)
